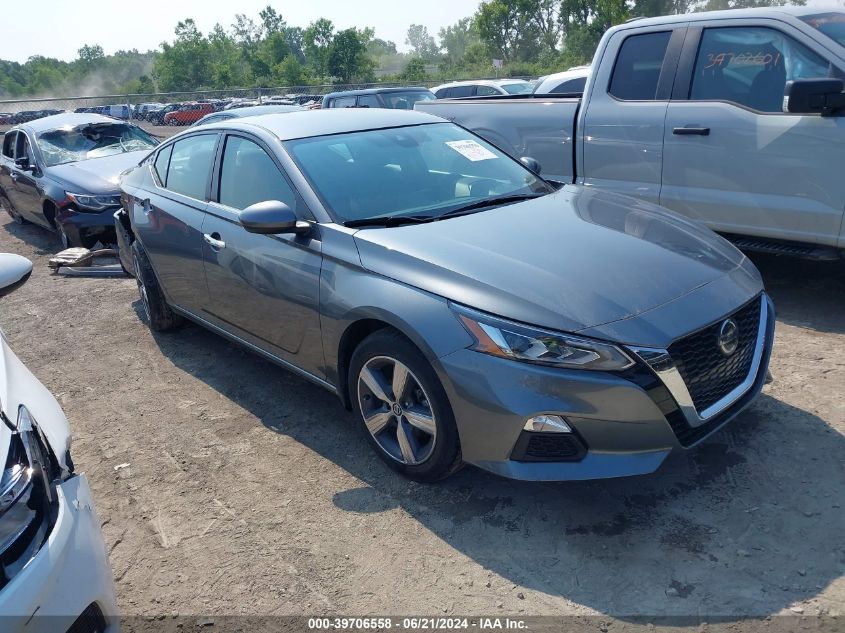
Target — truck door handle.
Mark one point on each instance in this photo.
(214, 242)
(691, 131)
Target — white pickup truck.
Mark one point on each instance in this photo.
(733, 118)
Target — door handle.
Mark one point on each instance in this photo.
(14, 176)
(691, 131)
(214, 242)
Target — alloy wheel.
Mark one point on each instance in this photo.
(396, 410)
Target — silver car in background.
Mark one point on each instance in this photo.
(468, 310)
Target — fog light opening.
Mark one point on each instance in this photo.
(547, 423)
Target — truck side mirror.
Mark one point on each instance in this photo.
(813, 96)
(531, 164)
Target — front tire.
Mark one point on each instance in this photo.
(405, 414)
(159, 316)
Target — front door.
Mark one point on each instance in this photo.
(262, 288)
(24, 194)
(168, 216)
(733, 158)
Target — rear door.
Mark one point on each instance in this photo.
(621, 142)
(168, 221)
(262, 288)
(24, 192)
(733, 158)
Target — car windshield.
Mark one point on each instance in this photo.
(421, 171)
(520, 88)
(831, 24)
(93, 140)
(406, 100)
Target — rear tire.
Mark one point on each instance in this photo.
(414, 431)
(159, 316)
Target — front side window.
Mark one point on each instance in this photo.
(750, 66)
(92, 140)
(190, 165)
(831, 24)
(161, 163)
(637, 69)
(9, 145)
(22, 150)
(486, 91)
(421, 170)
(248, 175)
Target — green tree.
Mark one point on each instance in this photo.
(348, 60)
(457, 38)
(422, 44)
(291, 73)
(414, 71)
(184, 64)
(318, 39)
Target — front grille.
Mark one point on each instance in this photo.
(91, 620)
(548, 447)
(709, 374)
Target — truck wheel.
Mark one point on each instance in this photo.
(405, 414)
(160, 317)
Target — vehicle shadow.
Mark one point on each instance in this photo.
(747, 524)
(43, 241)
(806, 293)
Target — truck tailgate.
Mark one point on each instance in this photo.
(542, 128)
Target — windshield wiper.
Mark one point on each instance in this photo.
(391, 220)
(490, 202)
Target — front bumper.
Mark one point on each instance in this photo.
(70, 572)
(88, 228)
(628, 422)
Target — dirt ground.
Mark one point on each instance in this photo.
(226, 485)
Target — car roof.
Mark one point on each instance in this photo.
(373, 91)
(734, 14)
(68, 119)
(309, 123)
(253, 111)
(481, 82)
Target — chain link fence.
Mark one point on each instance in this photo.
(141, 108)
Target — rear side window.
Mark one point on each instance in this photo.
(249, 175)
(190, 165)
(9, 145)
(486, 91)
(343, 102)
(368, 101)
(461, 91)
(750, 66)
(570, 86)
(160, 165)
(638, 65)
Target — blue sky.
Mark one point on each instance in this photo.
(57, 28)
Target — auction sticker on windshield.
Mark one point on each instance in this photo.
(471, 150)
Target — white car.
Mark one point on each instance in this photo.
(483, 88)
(568, 82)
(54, 571)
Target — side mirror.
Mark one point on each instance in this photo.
(271, 217)
(813, 96)
(23, 164)
(531, 164)
(14, 271)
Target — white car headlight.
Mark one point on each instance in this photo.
(499, 337)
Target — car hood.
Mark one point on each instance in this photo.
(97, 175)
(571, 260)
(19, 387)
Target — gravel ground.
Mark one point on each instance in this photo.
(246, 490)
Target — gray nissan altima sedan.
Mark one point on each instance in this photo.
(466, 309)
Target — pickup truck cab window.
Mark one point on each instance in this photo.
(750, 66)
(343, 102)
(190, 165)
(637, 70)
(248, 175)
(368, 101)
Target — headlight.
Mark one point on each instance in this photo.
(96, 203)
(519, 342)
